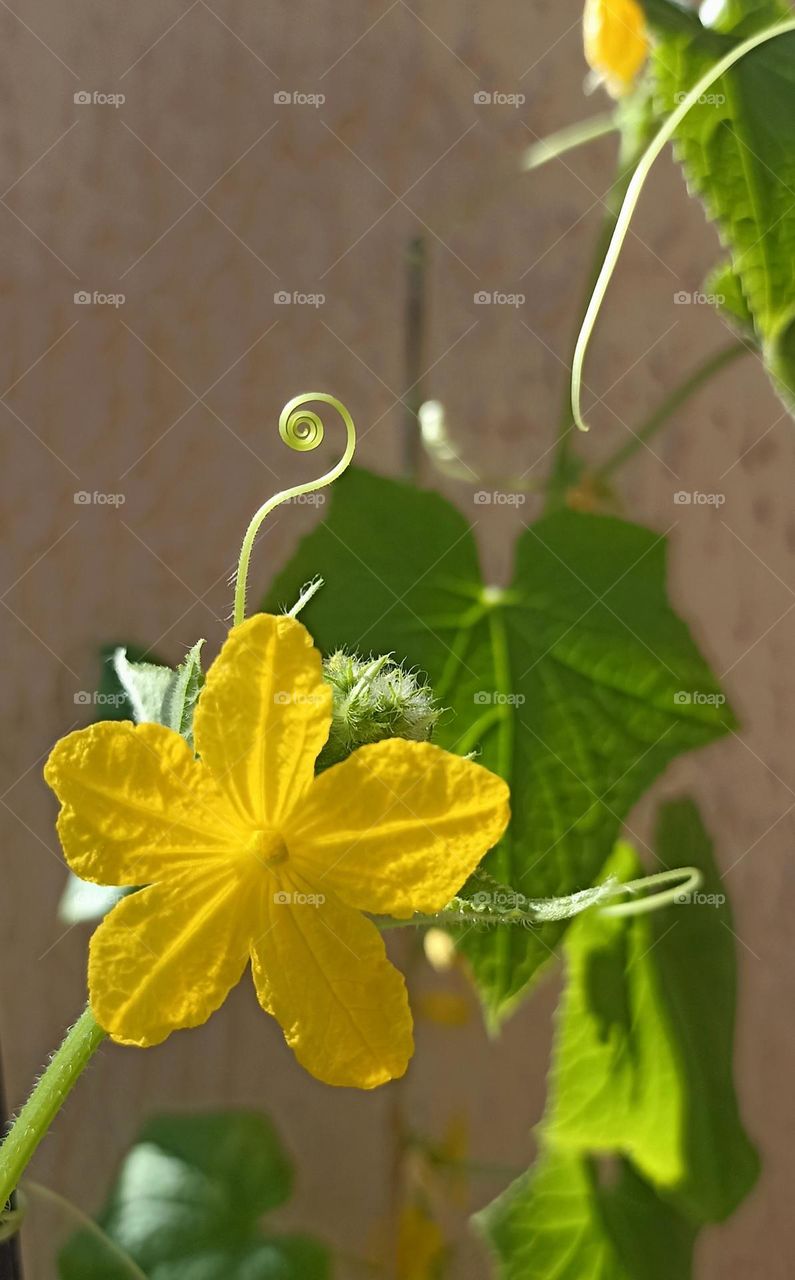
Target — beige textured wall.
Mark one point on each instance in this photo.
(198, 199)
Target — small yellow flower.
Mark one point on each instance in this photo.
(616, 42)
(248, 855)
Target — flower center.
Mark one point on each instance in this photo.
(267, 848)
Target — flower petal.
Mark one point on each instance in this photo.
(167, 957)
(322, 971)
(263, 716)
(398, 826)
(136, 806)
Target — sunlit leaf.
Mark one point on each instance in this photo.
(577, 683)
(643, 1059)
(563, 1220)
(187, 1203)
(737, 148)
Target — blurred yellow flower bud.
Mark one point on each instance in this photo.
(439, 950)
(616, 42)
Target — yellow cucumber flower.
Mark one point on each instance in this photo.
(247, 855)
(616, 42)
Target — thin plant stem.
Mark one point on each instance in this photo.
(10, 1256)
(48, 1096)
(568, 139)
(726, 356)
(670, 886)
(633, 193)
(71, 1210)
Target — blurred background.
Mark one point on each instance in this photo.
(172, 173)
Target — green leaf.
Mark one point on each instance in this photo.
(179, 702)
(160, 695)
(145, 684)
(697, 966)
(642, 1063)
(111, 700)
(737, 148)
(723, 284)
(563, 1220)
(615, 1084)
(187, 1203)
(288, 1258)
(578, 683)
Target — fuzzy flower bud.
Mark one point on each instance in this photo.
(374, 699)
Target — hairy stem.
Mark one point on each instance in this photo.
(46, 1100)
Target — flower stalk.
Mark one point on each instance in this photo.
(48, 1096)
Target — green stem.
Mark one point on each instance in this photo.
(46, 1100)
(726, 356)
(71, 1210)
(573, 136)
(671, 886)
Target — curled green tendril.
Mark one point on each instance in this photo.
(672, 886)
(633, 195)
(301, 429)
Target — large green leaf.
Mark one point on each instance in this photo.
(564, 1220)
(643, 1058)
(187, 1203)
(578, 683)
(737, 148)
(642, 1076)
